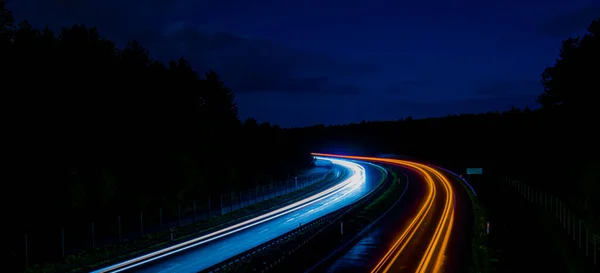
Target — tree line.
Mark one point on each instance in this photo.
(92, 130)
(555, 147)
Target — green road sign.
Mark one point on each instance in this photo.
(474, 170)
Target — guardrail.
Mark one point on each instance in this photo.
(168, 232)
(289, 240)
(233, 201)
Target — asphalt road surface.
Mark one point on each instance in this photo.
(427, 225)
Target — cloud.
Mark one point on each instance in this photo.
(245, 64)
(570, 23)
(510, 87)
(346, 90)
(402, 88)
(306, 85)
(251, 65)
(266, 83)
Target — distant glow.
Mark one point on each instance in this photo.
(438, 187)
(356, 180)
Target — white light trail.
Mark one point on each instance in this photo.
(354, 182)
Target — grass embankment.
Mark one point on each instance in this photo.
(570, 255)
(310, 244)
(382, 203)
(529, 239)
(557, 238)
(483, 258)
(87, 260)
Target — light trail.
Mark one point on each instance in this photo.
(438, 206)
(356, 179)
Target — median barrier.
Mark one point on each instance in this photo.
(294, 240)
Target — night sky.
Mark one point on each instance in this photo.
(299, 63)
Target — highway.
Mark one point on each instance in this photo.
(202, 252)
(422, 234)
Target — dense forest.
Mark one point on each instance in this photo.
(91, 129)
(553, 146)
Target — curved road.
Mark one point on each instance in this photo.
(202, 252)
(420, 243)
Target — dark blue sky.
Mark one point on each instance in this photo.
(298, 63)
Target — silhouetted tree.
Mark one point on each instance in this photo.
(96, 131)
(572, 83)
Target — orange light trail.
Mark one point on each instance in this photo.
(438, 187)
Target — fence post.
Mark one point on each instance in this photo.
(26, 252)
(231, 197)
(62, 237)
(562, 213)
(574, 226)
(141, 224)
(240, 199)
(119, 227)
(579, 233)
(530, 194)
(568, 221)
(194, 211)
(221, 203)
(522, 188)
(93, 237)
(160, 218)
(557, 209)
(565, 216)
(587, 242)
(278, 189)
